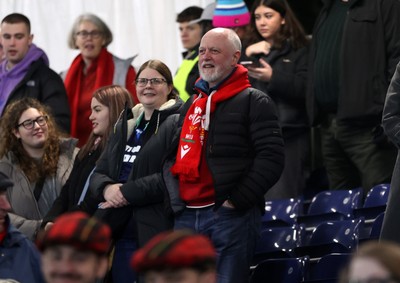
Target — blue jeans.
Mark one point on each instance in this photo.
(233, 233)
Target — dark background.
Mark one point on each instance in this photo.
(305, 10)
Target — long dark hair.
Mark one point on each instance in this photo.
(292, 30)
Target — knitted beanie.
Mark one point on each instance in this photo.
(231, 13)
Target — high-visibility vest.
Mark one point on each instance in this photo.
(182, 75)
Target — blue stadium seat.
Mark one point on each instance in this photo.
(331, 205)
(374, 203)
(328, 267)
(278, 242)
(281, 212)
(283, 270)
(377, 227)
(332, 237)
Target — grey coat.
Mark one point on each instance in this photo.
(27, 213)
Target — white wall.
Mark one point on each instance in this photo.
(143, 27)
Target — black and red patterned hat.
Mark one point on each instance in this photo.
(174, 249)
(79, 230)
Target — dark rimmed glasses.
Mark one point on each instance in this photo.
(142, 82)
(29, 124)
(85, 34)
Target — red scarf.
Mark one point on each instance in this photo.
(104, 77)
(196, 123)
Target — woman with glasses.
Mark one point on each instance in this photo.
(127, 179)
(373, 262)
(36, 158)
(107, 105)
(93, 68)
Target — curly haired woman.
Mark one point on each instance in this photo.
(36, 158)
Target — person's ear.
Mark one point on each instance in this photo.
(30, 39)
(16, 133)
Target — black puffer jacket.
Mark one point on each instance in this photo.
(244, 151)
(144, 189)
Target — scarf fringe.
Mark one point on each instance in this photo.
(186, 173)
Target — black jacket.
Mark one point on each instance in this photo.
(144, 189)
(45, 85)
(287, 86)
(72, 189)
(244, 151)
(368, 57)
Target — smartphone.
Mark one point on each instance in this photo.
(247, 64)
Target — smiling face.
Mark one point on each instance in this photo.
(152, 96)
(16, 41)
(100, 117)
(89, 46)
(217, 56)
(65, 264)
(32, 140)
(268, 22)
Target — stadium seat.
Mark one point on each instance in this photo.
(283, 270)
(278, 242)
(281, 212)
(377, 227)
(331, 205)
(372, 229)
(332, 237)
(328, 267)
(374, 203)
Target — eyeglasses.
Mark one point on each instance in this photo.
(154, 81)
(85, 34)
(29, 124)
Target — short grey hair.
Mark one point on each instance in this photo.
(107, 34)
(234, 39)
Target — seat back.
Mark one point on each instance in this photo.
(277, 242)
(377, 196)
(377, 226)
(336, 201)
(332, 237)
(344, 233)
(283, 270)
(328, 266)
(281, 212)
